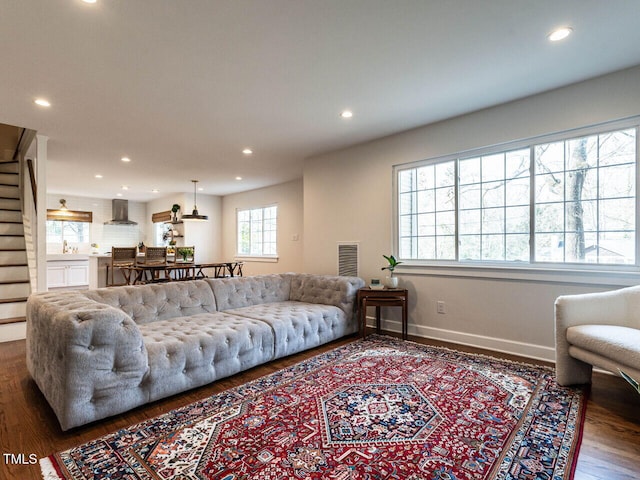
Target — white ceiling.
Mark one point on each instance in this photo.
(182, 86)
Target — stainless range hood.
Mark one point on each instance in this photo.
(120, 213)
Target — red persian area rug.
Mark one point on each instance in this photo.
(374, 409)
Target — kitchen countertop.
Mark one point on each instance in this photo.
(58, 257)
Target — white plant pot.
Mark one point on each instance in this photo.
(391, 282)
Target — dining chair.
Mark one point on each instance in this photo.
(155, 258)
(122, 259)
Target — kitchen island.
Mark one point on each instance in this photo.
(98, 264)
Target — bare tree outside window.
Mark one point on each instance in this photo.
(585, 199)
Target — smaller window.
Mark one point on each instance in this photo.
(257, 232)
(72, 232)
(160, 235)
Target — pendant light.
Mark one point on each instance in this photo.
(194, 214)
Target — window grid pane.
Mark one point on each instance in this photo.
(257, 231)
(591, 204)
(584, 204)
(495, 185)
(427, 211)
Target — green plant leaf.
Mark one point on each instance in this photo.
(393, 263)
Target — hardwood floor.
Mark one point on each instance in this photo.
(29, 430)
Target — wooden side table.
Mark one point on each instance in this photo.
(388, 297)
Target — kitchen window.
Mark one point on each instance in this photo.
(76, 233)
(68, 227)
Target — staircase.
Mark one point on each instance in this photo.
(14, 271)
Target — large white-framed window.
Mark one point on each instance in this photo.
(257, 232)
(562, 200)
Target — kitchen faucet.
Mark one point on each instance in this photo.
(65, 247)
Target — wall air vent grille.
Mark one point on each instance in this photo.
(348, 261)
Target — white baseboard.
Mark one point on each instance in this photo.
(528, 350)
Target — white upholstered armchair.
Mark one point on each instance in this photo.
(597, 329)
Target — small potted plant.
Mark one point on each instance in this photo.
(175, 210)
(391, 281)
(185, 252)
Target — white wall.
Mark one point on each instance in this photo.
(106, 236)
(206, 237)
(158, 205)
(348, 196)
(289, 198)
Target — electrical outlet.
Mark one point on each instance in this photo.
(440, 307)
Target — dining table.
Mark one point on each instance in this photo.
(177, 271)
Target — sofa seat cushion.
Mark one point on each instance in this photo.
(187, 352)
(298, 326)
(620, 344)
(149, 303)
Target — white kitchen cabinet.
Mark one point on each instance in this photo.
(56, 275)
(78, 275)
(68, 273)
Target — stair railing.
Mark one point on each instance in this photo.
(34, 186)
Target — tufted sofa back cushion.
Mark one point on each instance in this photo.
(327, 290)
(148, 303)
(237, 292)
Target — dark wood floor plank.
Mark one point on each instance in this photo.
(610, 448)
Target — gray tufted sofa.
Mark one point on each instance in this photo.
(96, 353)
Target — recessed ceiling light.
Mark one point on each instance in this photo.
(125, 187)
(118, 194)
(89, 1)
(155, 190)
(560, 34)
(247, 151)
(238, 178)
(42, 102)
(125, 159)
(346, 114)
(98, 176)
(200, 189)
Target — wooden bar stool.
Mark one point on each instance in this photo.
(122, 259)
(154, 257)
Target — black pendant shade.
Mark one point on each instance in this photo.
(194, 214)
